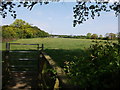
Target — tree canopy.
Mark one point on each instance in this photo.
(20, 23)
(83, 10)
(21, 29)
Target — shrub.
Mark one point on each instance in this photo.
(99, 69)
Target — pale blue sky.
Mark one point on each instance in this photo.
(57, 18)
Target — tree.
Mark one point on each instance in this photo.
(100, 37)
(110, 36)
(83, 10)
(94, 36)
(8, 32)
(20, 23)
(89, 35)
(21, 29)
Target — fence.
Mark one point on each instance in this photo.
(48, 74)
(24, 63)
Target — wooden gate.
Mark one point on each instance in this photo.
(21, 67)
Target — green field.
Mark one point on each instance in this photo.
(60, 49)
(83, 65)
(54, 43)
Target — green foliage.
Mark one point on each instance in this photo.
(110, 36)
(82, 10)
(94, 36)
(21, 29)
(8, 32)
(89, 35)
(20, 23)
(86, 10)
(69, 36)
(100, 37)
(99, 69)
(83, 67)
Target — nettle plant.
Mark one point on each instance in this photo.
(98, 69)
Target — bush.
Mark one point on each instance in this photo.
(99, 69)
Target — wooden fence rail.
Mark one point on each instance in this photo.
(38, 45)
(61, 80)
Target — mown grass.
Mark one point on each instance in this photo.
(60, 49)
(53, 43)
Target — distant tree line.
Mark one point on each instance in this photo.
(70, 36)
(21, 29)
(108, 36)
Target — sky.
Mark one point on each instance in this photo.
(57, 18)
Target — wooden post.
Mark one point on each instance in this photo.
(62, 77)
(7, 73)
(38, 47)
(42, 47)
(7, 46)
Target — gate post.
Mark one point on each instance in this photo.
(7, 46)
(42, 47)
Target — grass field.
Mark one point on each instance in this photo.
(60, 49)
(54, 43)
(75, 52)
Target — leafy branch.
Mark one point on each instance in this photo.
(85, 10)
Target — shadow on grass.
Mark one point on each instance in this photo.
(62, 55)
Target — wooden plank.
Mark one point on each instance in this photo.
(32, 72)
(22, 44)
(25, 72)
(24, 59)
(24, 51)
(38, 45)
(22, 66)
(60, 72)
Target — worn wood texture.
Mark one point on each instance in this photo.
(62, 80)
